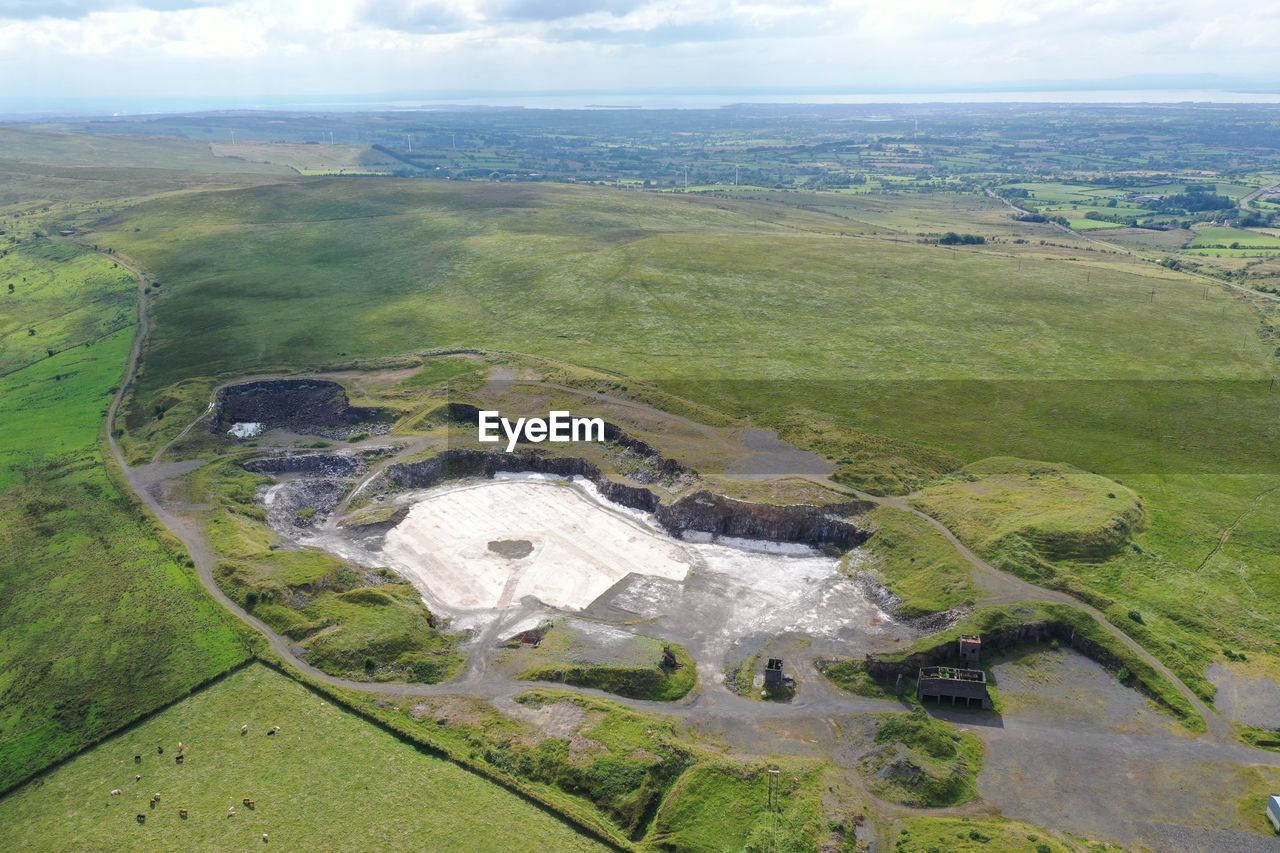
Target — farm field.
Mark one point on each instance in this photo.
(131, 628)
(303, 785)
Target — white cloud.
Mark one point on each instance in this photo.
(139, 47)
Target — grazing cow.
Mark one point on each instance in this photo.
(141, 818)
(156, 796)
(264, 838)
(248, 803)
(273, 730)
(115, 792)
(159, 750)
(179, 758)
(182, 813)
(244, 730)
(137, 777)
(137, 759)
(182, 747)
(231, 812)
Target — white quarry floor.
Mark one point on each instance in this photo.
(583, 545)
(580, 547)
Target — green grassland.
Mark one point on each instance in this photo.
(61, 297)
(1189, 569)
(566, 656)
(1021, 510)
(352, 622)
(403, 267)
(1217, 236)
(920, 761)
(970, 834)
(645, 774)
(724, 807)
(327, 779)
(917, 563)
(103, 619)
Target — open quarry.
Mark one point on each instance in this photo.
(521, 545)
(452, 545)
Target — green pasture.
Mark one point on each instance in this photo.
(103, 620)
(61, 296)
(326, 779)
(1219, 237)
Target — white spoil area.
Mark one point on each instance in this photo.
(246, 429)
(581, 547)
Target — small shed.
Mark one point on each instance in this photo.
(773, 673)
(1273, 811)
(970, 652)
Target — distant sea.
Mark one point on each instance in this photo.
(29, 107)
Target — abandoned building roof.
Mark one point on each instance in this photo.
(953, 673)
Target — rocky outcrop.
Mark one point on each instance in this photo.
(302, 502)
(720, 516)
(456, 464)
(323, 464)
(702, 512)
(304, 405)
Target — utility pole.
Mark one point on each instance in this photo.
(409, 136)
(1153, 293)
(772, 804)
(686, 178)
(735, 174)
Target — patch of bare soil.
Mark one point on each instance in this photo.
(564, 720)
(770, 456)
(512, 549)
(1060, 686)
(1246, 698)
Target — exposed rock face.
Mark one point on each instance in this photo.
(326, 464)
(721, 516)
(456, 464)
(303, 405)
(702, 512)
(301, 502)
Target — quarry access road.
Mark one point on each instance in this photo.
(142, 479)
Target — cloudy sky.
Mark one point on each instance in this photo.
(278, 48)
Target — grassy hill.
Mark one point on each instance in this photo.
(102, 620)
(897, 359)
